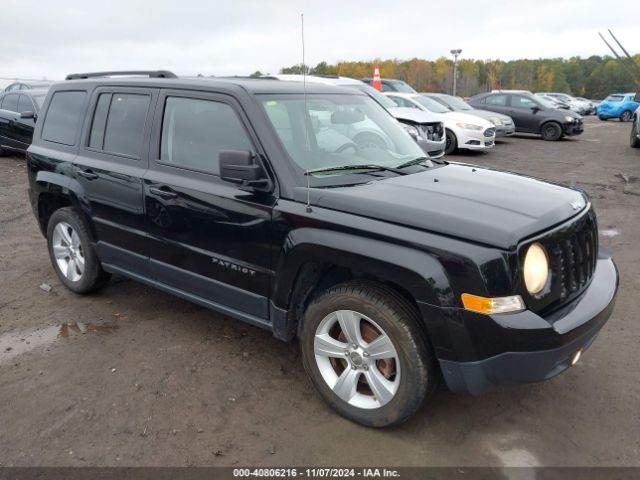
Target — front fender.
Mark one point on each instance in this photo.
(417, 272)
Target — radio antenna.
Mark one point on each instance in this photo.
(306, 111)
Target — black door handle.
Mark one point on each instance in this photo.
(88, 174)
(164, 193)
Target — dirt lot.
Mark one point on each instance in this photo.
(133, 376)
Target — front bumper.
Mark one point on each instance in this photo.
(530, 348)
(434, 148)
(575, 128)
(505, 130)
(475, 139)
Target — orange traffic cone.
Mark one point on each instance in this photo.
(377, 84)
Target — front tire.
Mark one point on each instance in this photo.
(626, 116)
(72, 255)
(366, 354)
(633, 140)
(551, 131)
(451, 145)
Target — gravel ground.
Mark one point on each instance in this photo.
(134, 376)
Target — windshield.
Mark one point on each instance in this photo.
(430, 104)
(546, 102)
(403, 87)
(342, 130)
(456, 103)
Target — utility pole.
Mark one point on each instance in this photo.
(455, 54)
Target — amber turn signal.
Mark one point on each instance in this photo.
(490, 306)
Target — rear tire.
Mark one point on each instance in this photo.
(603, 119)
(451, 145)
(626, 116)
(551, 131)
(344, 363)
(72, 255)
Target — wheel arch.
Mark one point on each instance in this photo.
(314, 260)
(57, 191)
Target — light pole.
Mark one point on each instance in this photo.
(455, 54)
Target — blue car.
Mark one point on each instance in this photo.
(618, 105)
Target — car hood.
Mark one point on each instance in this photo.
(487, 115)
(472, 203)
(413, 115)
(460, 117)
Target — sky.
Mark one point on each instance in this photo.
(48, 39)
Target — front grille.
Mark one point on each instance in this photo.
(573, 254)
(433, 131)
(489, 132)
(574, 260)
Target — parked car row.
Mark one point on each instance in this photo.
(439, 123)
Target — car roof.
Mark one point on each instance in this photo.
(327, 80)
(403, 94)
(250, 85)
(31, 91)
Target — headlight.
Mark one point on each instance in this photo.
(569, 119)
(496, 121)
(536, 269)
(411, 130)
(469, 126)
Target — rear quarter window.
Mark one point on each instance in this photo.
(63, 118)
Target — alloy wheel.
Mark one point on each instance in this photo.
(67, 250)
(357, 359)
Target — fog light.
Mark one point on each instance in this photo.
(576, 357)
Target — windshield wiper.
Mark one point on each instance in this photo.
(357, 167)
(419, 160)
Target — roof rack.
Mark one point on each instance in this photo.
(149, 73)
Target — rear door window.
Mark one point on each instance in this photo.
(63, 117)
(497, 100)
(118, 123)
(10, 102)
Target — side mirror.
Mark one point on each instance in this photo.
(240, 167)
(28, 114)
(535, 109)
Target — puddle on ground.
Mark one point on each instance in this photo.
(13, 344)
(610, 232)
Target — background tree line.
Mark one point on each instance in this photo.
(593, 77)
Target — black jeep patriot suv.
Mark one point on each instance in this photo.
(257, 199)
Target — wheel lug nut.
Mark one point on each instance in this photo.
(354, 346)
(366, 367)
(353, 367)
(346, 352)
(365, 354)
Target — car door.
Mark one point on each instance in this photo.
(8, 118)
(23, 127)
(210, 238)
(525, 113)
(110, 165)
